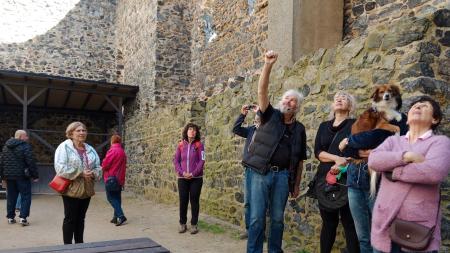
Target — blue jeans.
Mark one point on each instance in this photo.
(115, 199)
(270, 190)
(247, 198)
(397, 249)
(19, 200)
(361, 206)
(13, 188)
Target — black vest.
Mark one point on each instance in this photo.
(267, 137)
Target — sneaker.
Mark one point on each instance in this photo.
(120, 221)
(24, 222)
(182, 228)
(243, 235)
(11, 221)
(17, 210)
(194, 229)
(114, 220)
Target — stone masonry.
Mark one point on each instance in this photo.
(388, 54)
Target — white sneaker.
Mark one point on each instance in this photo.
(11, 221)
(24, 222)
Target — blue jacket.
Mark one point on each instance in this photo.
(245, 132)
(357, 174)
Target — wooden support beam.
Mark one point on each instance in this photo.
(102, 145)
(12, 92)
(69, 93)
(102, 105)
(47, 94)
(86, 101)
(112, 103)
(5, 101)
(42, 140)
(36, 95)
(25, 108)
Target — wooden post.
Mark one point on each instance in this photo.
(25, 107)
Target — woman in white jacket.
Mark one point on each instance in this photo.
(75, 159)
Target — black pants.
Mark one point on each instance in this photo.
(189, 190)
(74, 214)
(330, 221)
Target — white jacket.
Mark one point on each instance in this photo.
(68, 163)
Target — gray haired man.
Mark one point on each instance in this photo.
(275, 162)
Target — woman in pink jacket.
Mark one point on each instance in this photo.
(188, 161)
(115, 164)
(413, 166)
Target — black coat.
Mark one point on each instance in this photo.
(16, 156)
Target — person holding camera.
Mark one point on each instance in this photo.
(247, 133)
(275, 162)
(17, 167)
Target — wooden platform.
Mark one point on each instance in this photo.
(137, 245)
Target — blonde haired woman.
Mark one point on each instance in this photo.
(77, 161)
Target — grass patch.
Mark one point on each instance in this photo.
(213, 228)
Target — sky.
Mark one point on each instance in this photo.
(21, 20)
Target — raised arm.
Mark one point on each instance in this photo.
(263, 85)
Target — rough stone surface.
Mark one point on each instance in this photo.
(81, 45)
(361, 22)
(442, 18)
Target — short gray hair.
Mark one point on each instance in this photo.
(19, 133)
(72, 126)
(351, 103)
(293, 93)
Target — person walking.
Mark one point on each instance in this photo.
(114, 165)
(275, 162)
(247, 133)
(77, 161)
(17, 169)
(189, 160)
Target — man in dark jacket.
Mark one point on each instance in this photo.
(275, 159)
(17, 168)
(247, 133)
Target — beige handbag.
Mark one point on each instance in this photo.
(81, 188)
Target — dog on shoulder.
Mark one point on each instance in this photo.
(374, 125)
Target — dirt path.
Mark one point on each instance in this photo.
(145, 219)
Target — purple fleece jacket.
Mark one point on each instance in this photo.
(189, 157)
(414, 193)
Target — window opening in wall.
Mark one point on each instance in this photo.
(250, 7)
(210, 34)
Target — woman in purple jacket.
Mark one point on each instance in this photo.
(188, 161)
(413, 166)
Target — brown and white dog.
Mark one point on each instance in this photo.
(386, 102)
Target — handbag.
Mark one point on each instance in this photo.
(112, 183)
(59, 184)
(411, 235)
(81, 188)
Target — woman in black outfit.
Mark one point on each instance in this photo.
(333, 200)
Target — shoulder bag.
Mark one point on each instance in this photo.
(411, 235)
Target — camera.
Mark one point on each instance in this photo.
(251, 107)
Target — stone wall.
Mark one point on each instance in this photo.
(81, 45)
(361, 16)
(409, 51)
(228, 39)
